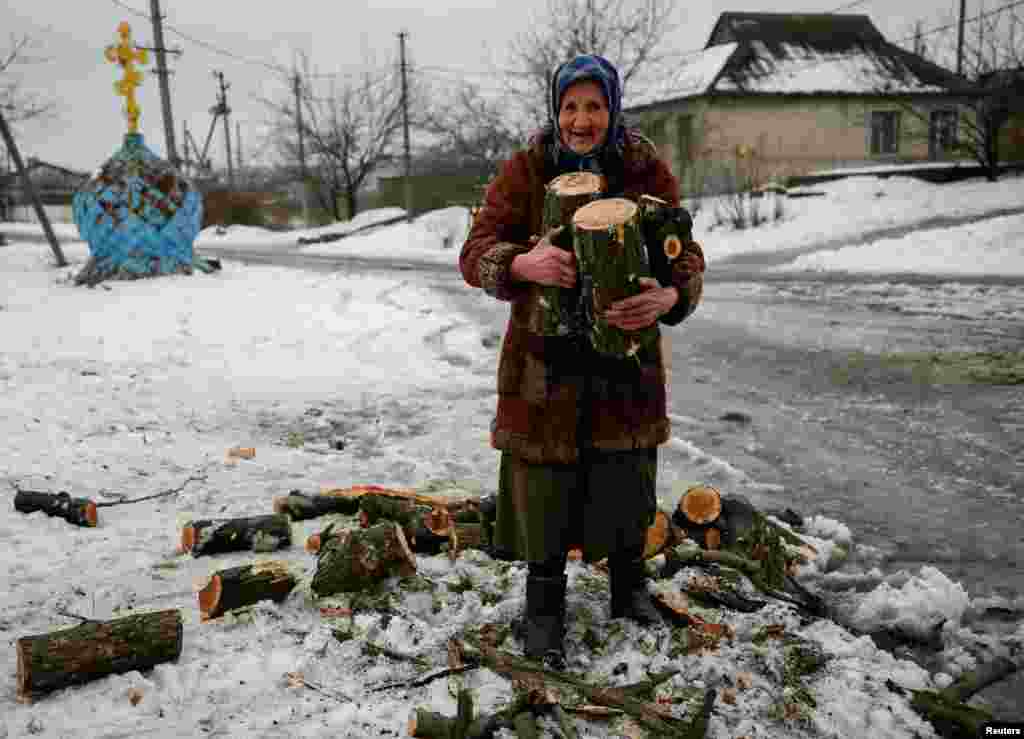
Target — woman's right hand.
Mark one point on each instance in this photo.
(546, 264)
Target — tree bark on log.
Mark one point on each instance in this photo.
(948, 710)
(96, 649)
(610, 255)
(258, 533)
(356, 558)
(237, 587)
(79, 511)
(301, 506)
(355, 493)
(552, 308)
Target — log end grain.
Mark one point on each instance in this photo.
(658, 535)
(188, 538)
(577, 183)
(90, 514)
(602, 214)
(24, 694)
(209, 598)
(701, 504)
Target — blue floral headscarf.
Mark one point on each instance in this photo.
(600, 70)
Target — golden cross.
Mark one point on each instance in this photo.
(126, 54)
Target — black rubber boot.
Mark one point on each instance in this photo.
(545, 620)
(629, 594)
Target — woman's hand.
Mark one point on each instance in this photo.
(643, 309)
(546, 264)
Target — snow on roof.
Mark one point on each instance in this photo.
(796, 68)
(693, 78)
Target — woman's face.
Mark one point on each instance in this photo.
(583, 118)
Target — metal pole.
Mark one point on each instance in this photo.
(165, 88)
(26, 183)
(405, 129)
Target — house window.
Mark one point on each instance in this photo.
(885, 131)
(941, 132)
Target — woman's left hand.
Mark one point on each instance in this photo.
(644, 308)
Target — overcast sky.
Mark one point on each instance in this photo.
(245, 40)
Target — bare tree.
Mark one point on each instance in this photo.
(629, 33)
(18, 103)
(993, 68)
(471, 132)
(348, 133)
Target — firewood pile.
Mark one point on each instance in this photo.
(712, 556)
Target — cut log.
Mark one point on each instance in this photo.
(701, 505)
(668, 232)
(553, 308)
(96, 649)
(357, 558)
(611, 259)
(948, 710)
(409, 514)
(79, 511)
(257, 533)
(301, 506)
(356, 493)
(237, 587)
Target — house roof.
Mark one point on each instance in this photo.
(822, 30)
(799, 54)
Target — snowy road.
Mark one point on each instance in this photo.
(928, 473)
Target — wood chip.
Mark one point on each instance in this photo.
(744, 680)
(729, 696)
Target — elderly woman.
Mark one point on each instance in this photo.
(577, 431)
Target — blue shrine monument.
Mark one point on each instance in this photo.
(138, 214)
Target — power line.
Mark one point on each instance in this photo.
(252, 61)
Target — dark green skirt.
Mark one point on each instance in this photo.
(602, 505)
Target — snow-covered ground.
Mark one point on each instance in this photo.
(132, 388)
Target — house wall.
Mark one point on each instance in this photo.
(736, 138)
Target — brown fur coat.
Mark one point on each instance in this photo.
(549, 390)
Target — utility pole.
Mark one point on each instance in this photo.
(405, 128)
(224, 110)
(960, 39)
(238, 146)
(26, 183)
(297, 87)
(165, 88)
